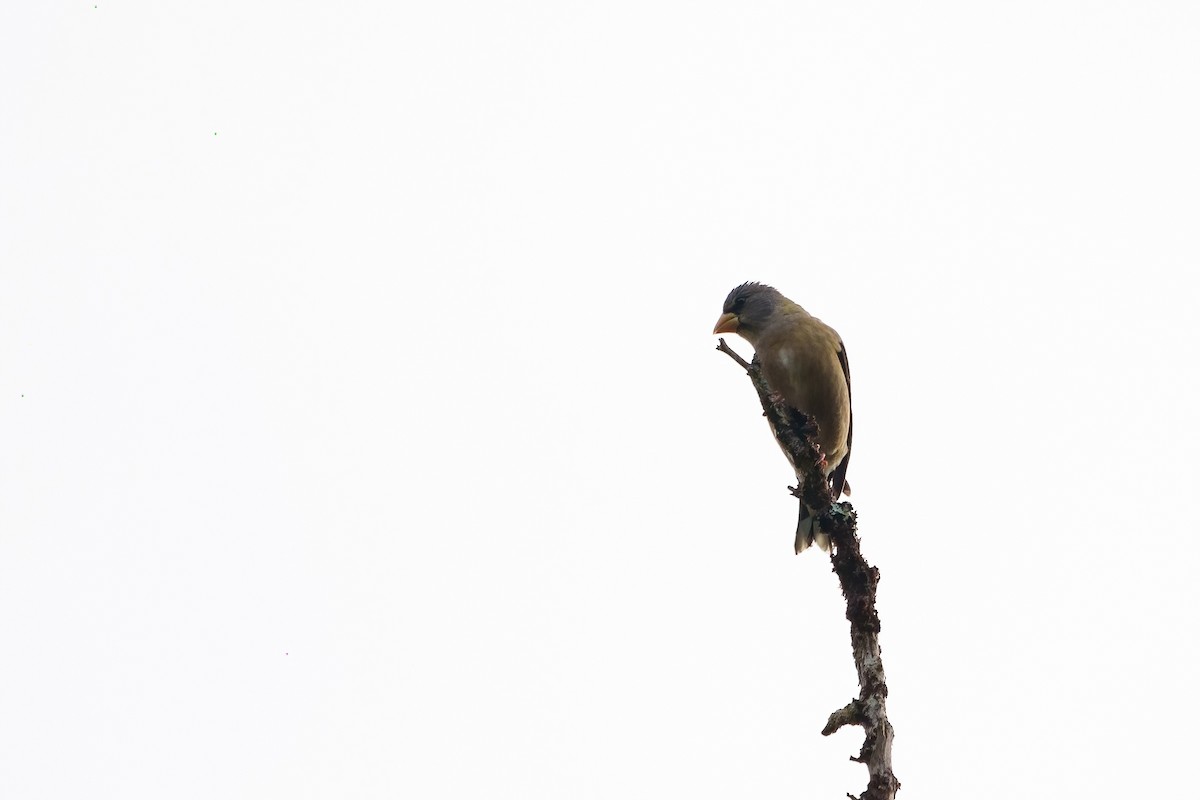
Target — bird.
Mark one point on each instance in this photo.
(804, 362)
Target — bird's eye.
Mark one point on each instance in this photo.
(738, 304)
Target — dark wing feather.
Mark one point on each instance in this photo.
(839, 474)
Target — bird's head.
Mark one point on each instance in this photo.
(747, 310)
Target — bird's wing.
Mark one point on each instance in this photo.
(839, 474)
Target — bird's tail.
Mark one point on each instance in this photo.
(809, 533)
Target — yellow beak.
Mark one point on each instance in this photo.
(728, 323)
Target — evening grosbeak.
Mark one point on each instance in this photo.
(804, 362)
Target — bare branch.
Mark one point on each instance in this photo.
(859, 581)
(797, 433)
(729, 351)
(847, 715)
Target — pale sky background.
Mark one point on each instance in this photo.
(362, 435)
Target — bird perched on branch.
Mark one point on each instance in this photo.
(804, 362)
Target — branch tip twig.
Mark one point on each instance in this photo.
(729, 351)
